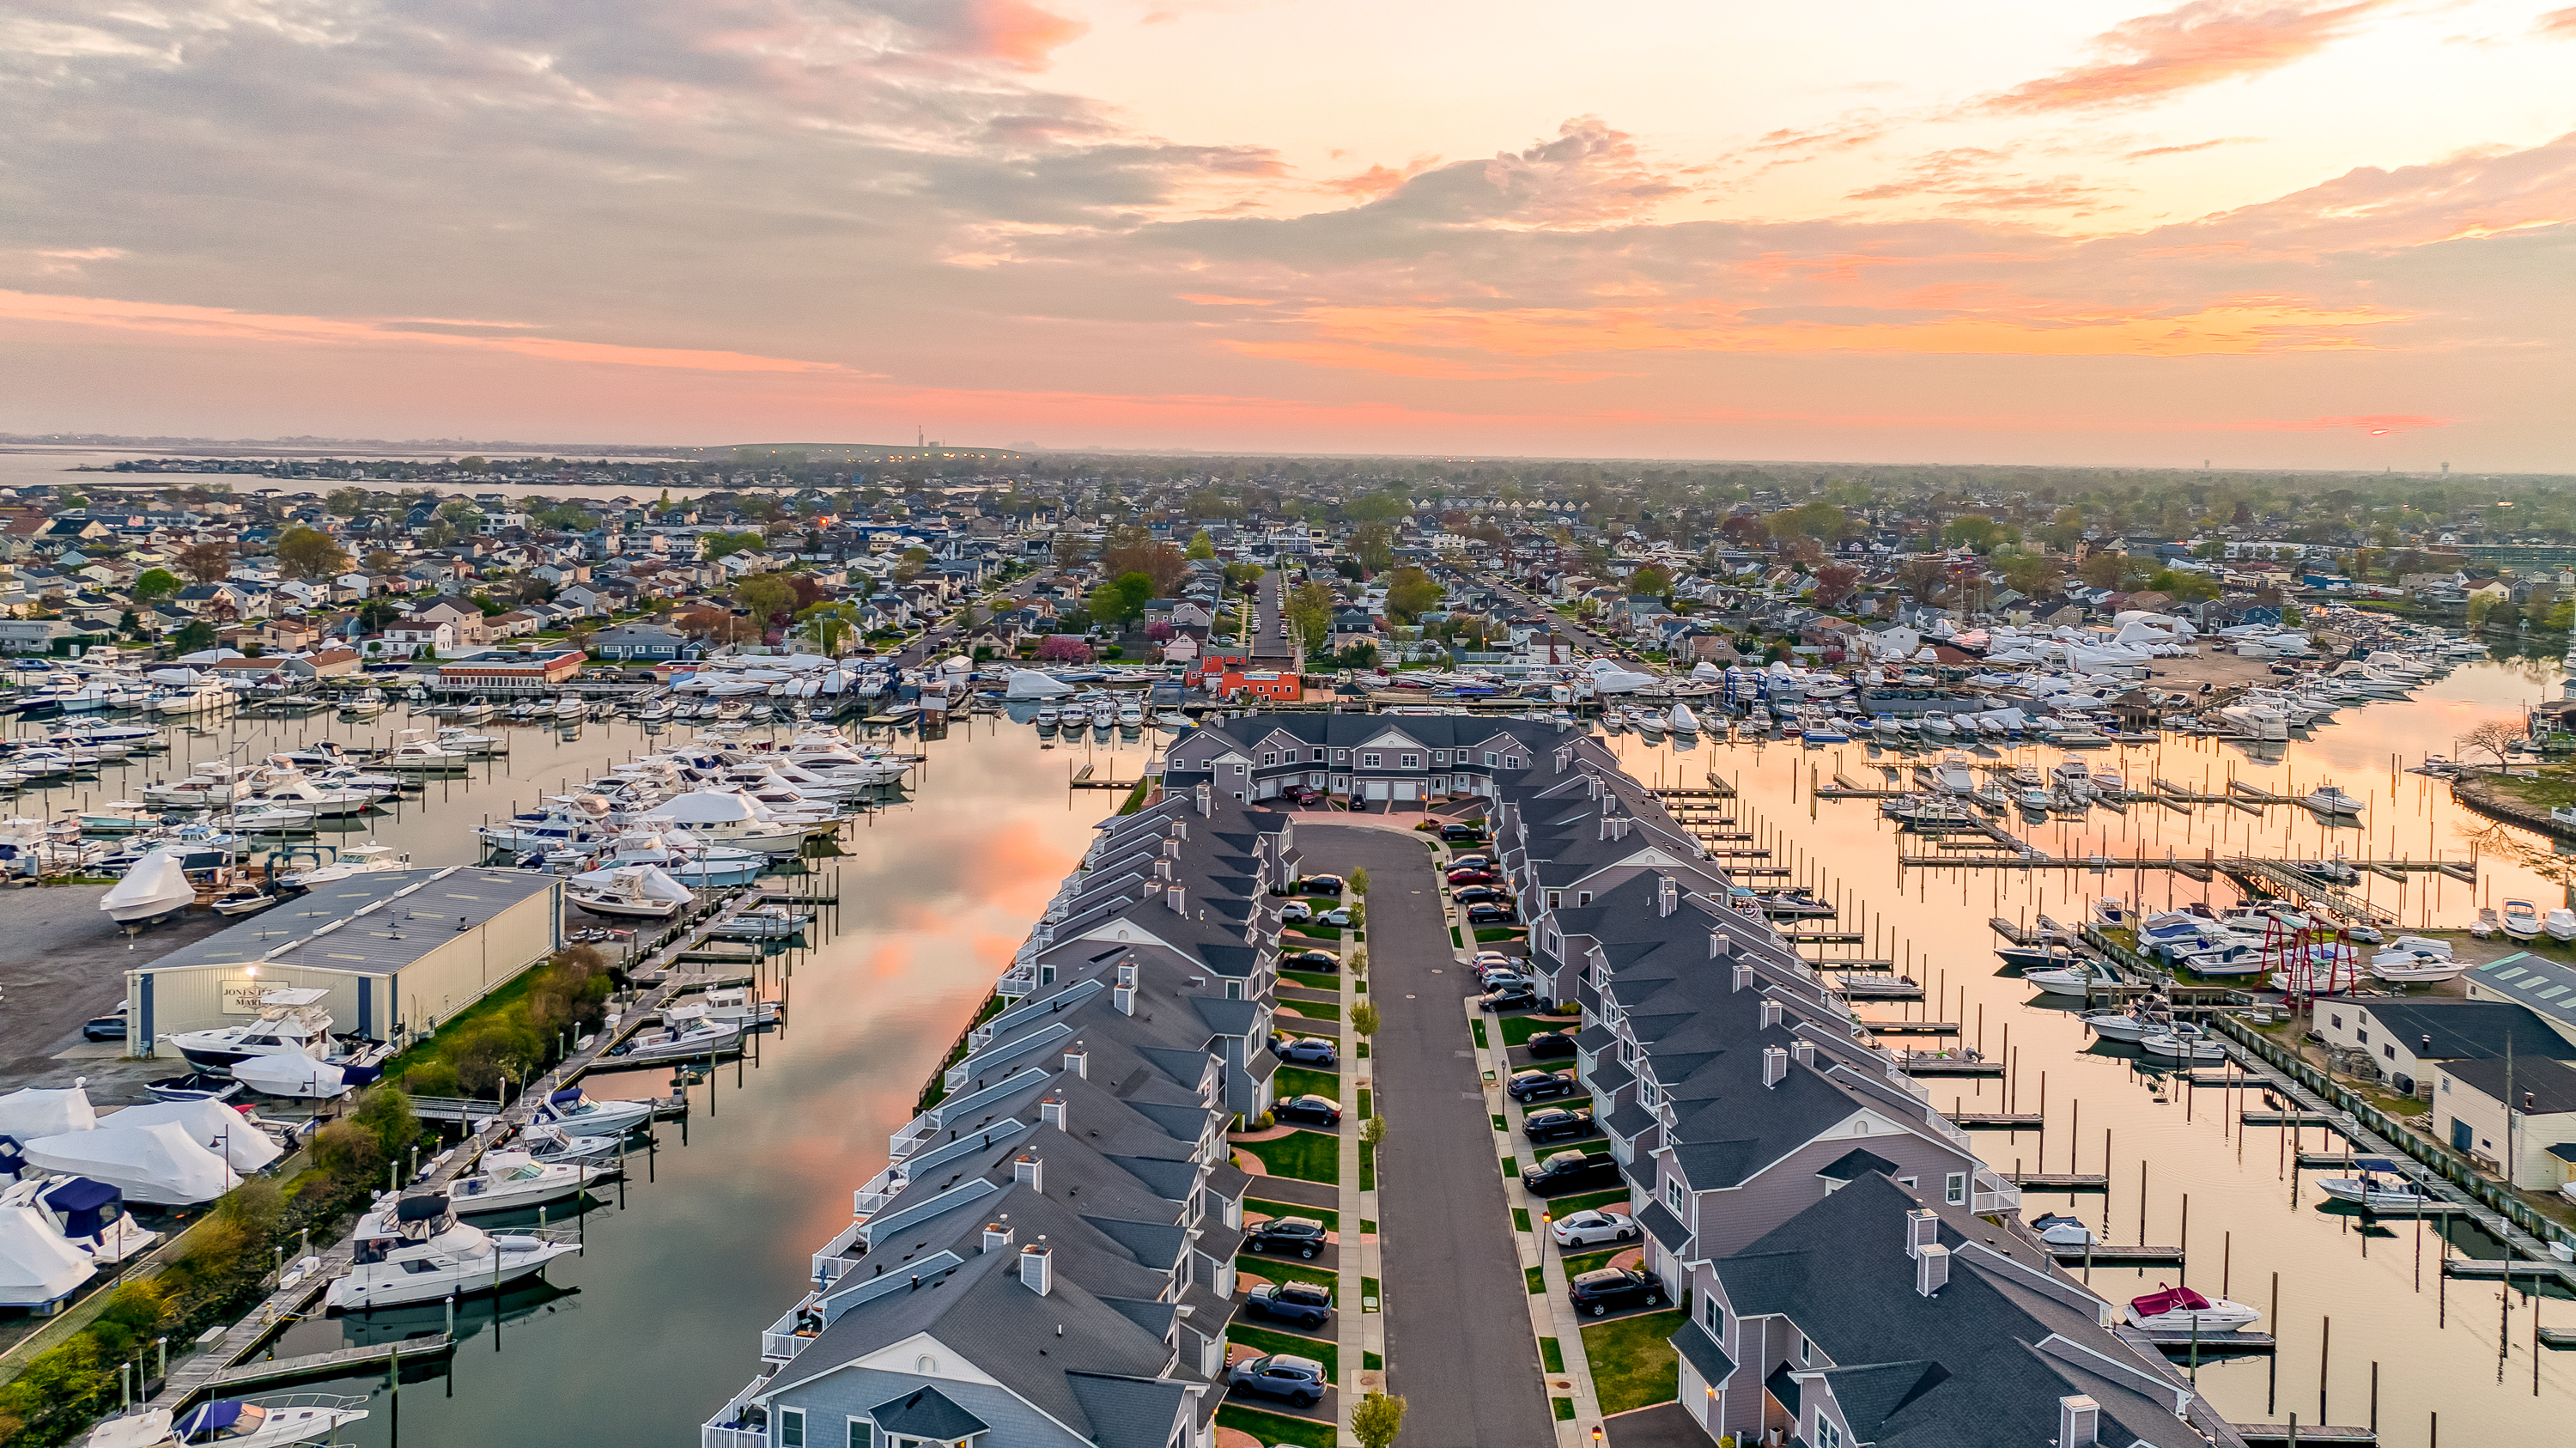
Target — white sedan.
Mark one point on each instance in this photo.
(1338, 915)
(1589, 1228)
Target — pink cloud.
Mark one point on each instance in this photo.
(2557, 24)
(2196, 44)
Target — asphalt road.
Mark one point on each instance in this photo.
(63, 961)
(1459, 1348)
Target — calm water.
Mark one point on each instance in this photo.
(660, 1322)
(659, 1327)
(2247, 1221)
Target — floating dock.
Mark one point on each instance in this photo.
(260, 1372)
(2059, 1181)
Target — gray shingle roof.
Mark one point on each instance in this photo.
(927, 1413)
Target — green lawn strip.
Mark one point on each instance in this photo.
(1493, 933)
(1364, 1103)
(1309, 1156)
(1312, 1010)
(1135, 798)
(1299, 1081)
(1537, 1280)
(1310, 980)
(1317, 932)
(1275, 1270)
(1581, 1262)
(1568, 1206)
(1368, 1170)
(1500, 1124)
(1564, 1406)
(1255, 1207)
(1359, 986)
(1551, 1355)
(1476, 1028)
(1518, 1029)
(1456, 939)
(1632, 1365)
(1278, 1428)
(1323, 1350)
(1520, 1219)
(1369, 1293)
(1364, 1050)
(1372, 1363)
(1511, 1166)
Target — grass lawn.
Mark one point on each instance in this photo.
(1331, 1219)
(1371, 1362)
(1313, 1010)
(1632, 1365)
(1511, 1166)
(1276, 1427)
(1551, 1355)
(1457, 939)
(1564, 1408)
(1300, 1081)
(1518, 1029)
(1368, 1170)
(1568, 1206)
(1316, 932)
(1366, 1225)
(1493, 933)
(1520, 1219)
(1262, 1339)
(1364, 1103)
(1476, 1028)
(1310, 980)
(1306, 1155)
(1537, 1280)
(1576, 1264)
(1499, 1123)
(1275, 1270)
(1369, 1293)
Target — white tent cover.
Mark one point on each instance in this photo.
(214, 1125)
(287, 1073)
(156, 880)
(161, 1163)
(1030, 684)
(37, 1111)
(649, 881)
(705, 807)
(36, 1265)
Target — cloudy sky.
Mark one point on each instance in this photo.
(2304, 233)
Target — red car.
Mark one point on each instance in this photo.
(1471, 877)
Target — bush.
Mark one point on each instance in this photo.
(348, 1151)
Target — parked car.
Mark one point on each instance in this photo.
(1471, 876)
(1463, 834)
(105, 1028)
(1544, 1044)
(1302, 1303)
(1301, 1235)
(1470, 862)
(1296, 912)
(1528, 1086)
(1489, 914)
(1496, 957)
(1598, 1292)
(1281, 1375)
(1494, 972)
(1321, 1110)
(1557, 1124)
(1568, 1171)
(1321, 884)
(1305, 1050)
(1519, 997)
(1481, 894)
(1591, 1227)
(1339, 915)
(1311, 960)
(1303, 794)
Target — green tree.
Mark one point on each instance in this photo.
(193, 635)
(766, 594)
(1359, 882)
(828, 624)
(1653, 578)
(1977, 531)
(1373, 544)
(910, 566)
(1377, 1419)
(159, 583)
(1364, 1019)
(1309, 611)
(310, 553)
(725, 545)
(1202, 546)
(1410, 593)
(386, 1113)
(462, 516)
(347, 502)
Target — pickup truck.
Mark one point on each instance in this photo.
(1568, 1171)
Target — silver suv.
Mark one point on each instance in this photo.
(1281, 1376)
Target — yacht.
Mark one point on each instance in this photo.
(2521, 920)
(2179, 1309)
(290, 1021)
(2415, 967)
(1683, 721)
(2182, 1042)
(550, 1144)
(630, 892)
(2125, 1026)
(1046, 717)
(414, 752)
(413, 1249)
(2331, 800)
(2074, 980)
(207, 696)
(349, 860)
(268, 1422)
(361, 707)
(88, 1213)
(206, 787)
(681, 1039)
(575, 1112)
(1956, 773)
(154, 888)
(2036, 800)
(259, 817)
(2381, 1187)
(513, 1180)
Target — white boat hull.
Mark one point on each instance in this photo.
(356, 1292)
(2221, 1315)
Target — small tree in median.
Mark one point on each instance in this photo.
(1360, 881)
(1364, 1018)
(1377, 1420)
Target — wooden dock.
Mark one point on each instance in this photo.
(1841, 964)
(2264, 1435)
(2207, 1344)
(1825, 937)
(1083, 778)
(2117, 1254)
(1933, 1064)
(1997, 1120)
(2494, 1269)
(1911, 1028)
(259, 1372)
(2292, 1118)
(2059, 1181)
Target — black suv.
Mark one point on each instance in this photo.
(1571, 1171)
(1543, 1044)
(1598, 1292)
(1321, 885)
(1301, 1235)
(1556, 1124)
(1528, 1086)
(1509, 998)
(1486, 914)
(1462, 834)
(1303, 1303)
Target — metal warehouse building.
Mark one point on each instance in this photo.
(400, 951)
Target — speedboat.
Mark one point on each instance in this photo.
(2112, 913)
(352, 860)
(552, 1144)
(2179, 1309)
(2415, 967)
(574, 1112)
(2035, 800)
(2036, 957)
(629, 892)
(413, 1249)
(2521, 920)
(2074, 980)
(243, 900)
(734, 1003)
(2237, 957)
(2183, 1042)
(681, 1040)
(88, 1213)
(2392, 1192)
(2120, 1026)
(1046, 717)
(764, 922)
(1797, 904)
(2331, 800)
(2055, 1229)
(513, 1180)
(195, 1086)
(233, 1423)
(291, 1019)
(2561, 925)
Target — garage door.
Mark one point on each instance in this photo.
(1408, 789)
(1269, 787)
(1377, 789)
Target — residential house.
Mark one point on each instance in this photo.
(320, 664)
(406, 639)
(640, 642)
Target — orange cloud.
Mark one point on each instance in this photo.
(2557, 24)
(1015, 32)
(2375, 423)
(1403, 364)
(223, 322)
(2192, 45)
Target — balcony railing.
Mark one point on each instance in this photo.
(728, 1428)
(781, 1342)
(829, 1263)
(869, 1200)
(920, 1129)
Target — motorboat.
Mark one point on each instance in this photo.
(195, 1086)
(513, 1180)
(2036, 957)
(90, 1214)
(2179, 1309)
(159, 1163)
(575, 1112)
(1683, 721)
(681, 1039)
(2520, 920)
(301, 1077)
(2075, 980)
(242, 900)
(39, 1268)
(415, 752)
(2184, 1042)
(550, 1144)
(2237, 957)
(629, 892)
(117, 817)
(734, 1003)
(2036, 800)
(348, 861)
(259, 817)
(2113, 913)
(2124, 1026)
(290, 1020)
(2561, 924)
(2331, 800)
(206, 696)
(360, 707)
(1799, 904)
(764, 922)
(155, 888)
(233, 1423)
(2056, 1229)
(2380, 1187)
(1955, 774)
(413, 1249)
(1046, 717)
(2415, 967)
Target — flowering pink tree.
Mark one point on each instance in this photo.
(1063, 649)
(1158, 632)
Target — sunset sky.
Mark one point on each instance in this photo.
(2264, 232)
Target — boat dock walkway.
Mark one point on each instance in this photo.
(2059, 1181)
(2114, 1254)
(1997, 1120)
(2265, 1435)
(261, 1372)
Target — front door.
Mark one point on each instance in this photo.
(2462, 1139)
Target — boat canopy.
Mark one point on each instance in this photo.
(648, 880)
(1030, 684)
(88, 1205)
(158, 879)
(160, 1163)
(209, 1418)
(2172, 1299)
(213, 1125)
(38, 1112)
(36, 1265)
(291, 1074)
(705, 807)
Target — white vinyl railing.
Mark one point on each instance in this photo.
(781, 1342)
(829, 1264)
(719, 1432)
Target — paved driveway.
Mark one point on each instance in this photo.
(1459, 1348)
